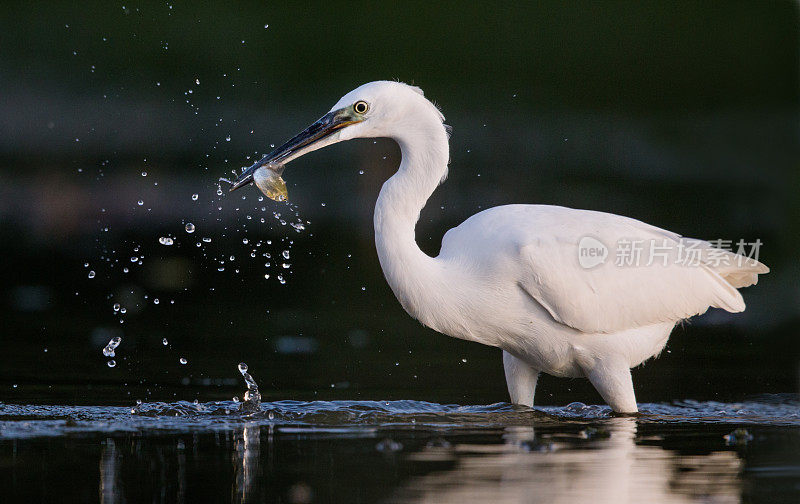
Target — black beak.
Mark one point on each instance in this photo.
(299, 144)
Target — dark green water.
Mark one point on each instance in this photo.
(401, 451)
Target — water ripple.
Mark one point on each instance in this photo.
(21, 421)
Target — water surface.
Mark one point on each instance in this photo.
(401, 451)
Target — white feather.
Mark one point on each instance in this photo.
(510, 276)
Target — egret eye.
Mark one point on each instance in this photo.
(361, 107)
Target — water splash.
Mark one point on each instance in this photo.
(108, 351)
(252, 398)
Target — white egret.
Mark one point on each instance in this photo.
(514, 276)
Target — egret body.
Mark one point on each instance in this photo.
(511, 276)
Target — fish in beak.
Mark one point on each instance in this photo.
(267, 171)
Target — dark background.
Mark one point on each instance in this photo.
(681, 114)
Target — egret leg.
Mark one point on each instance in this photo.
(612, 378)
(521, 380)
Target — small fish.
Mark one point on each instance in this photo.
(268, 179)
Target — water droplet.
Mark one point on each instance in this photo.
(207, 240)
(228, 138)
(117, 306)
(91, 274)
(183, 360)
(266, 276)
(164, 342)
(189, 227)
(252, 396)
(112, 363)
(197, 81)
(235, 399)
(245, 241)
(140, 202)
(285, 254)
(281, 279)
(195, 196)
(156, 301)
(134, 259)
(113, 343)
(361, 172)
(464, 361)
(219, 191)
(165, 240)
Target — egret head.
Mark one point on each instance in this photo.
(375, 109)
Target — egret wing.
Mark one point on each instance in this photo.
(648, 276)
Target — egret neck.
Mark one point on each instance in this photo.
(410, 272)
(509, 276)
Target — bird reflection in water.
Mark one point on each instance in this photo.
(599, 465)
(613, 460)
